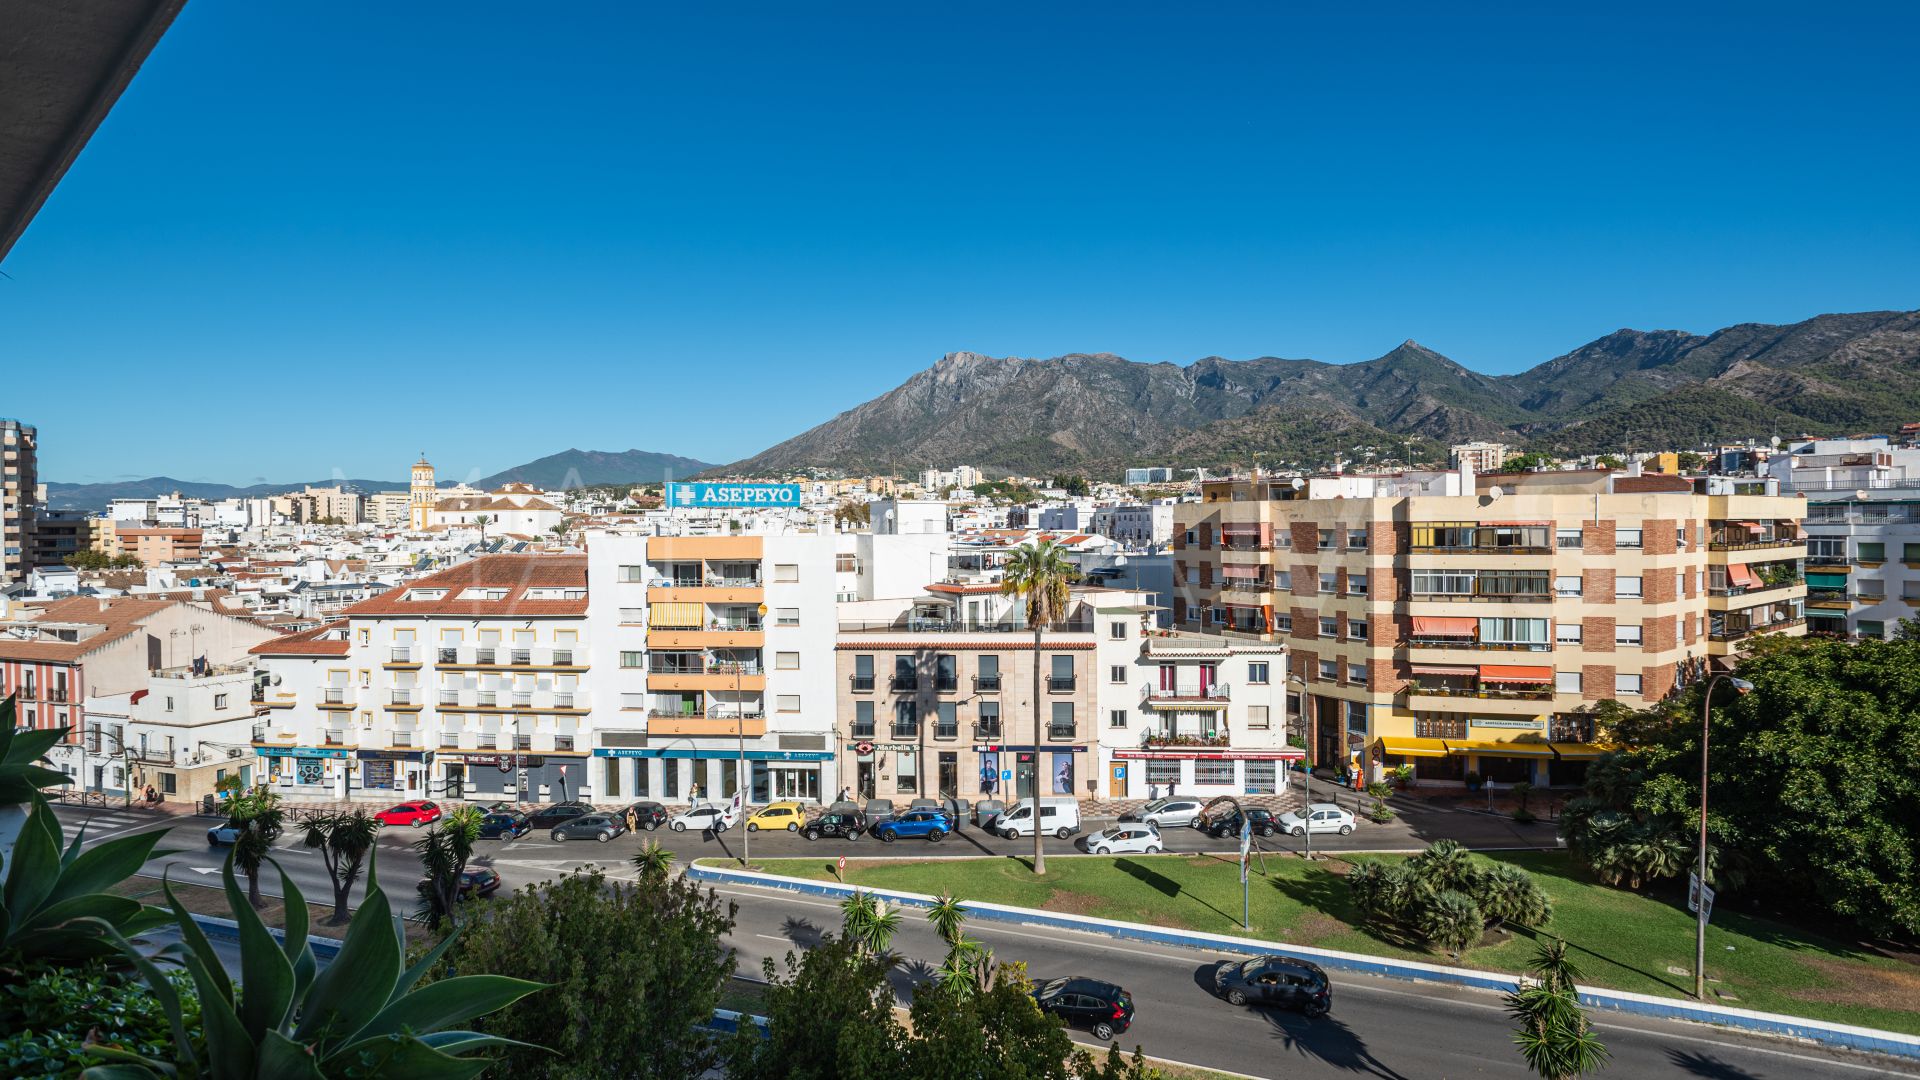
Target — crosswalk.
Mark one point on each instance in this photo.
(102, 824)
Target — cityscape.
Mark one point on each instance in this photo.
(1089, 717)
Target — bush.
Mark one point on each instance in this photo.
(1380, 814)
(1525, 816)
(1451, 920)
(1379, 789)
(47, 1014)
(1434, 895)
(1507, 894)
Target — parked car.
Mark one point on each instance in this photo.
(474, 881)
(601, 827)
(1275, 980)
(416, 813)
(1226, 823)
(701, 818)
(1126, 838)
(985, 811)
(1100, 1007)
(646, 815)
(500, 808)
(1325, 817)
(848, 824)
(505, 826)
(933, 825)
(781, 815)
(223, 835)
(548, 816)
(1059, 818)
(1166, 813)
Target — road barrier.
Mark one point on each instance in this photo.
(1843, 1036)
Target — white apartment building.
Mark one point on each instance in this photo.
(1862, 530)
(189, 729)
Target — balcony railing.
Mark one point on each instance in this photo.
(335, 696)
(1487, 693)
(1480, 549)
(400, 656)
(1752, 590)
(1060, 732)
(962, 626)
(1828, 596)
(521, 657)
(862, 731)
(988, 730)
(946, 684)
(449, 656)
(485, 656)
(400, 697)
(946, 730)
(1570, 729)
(1828, 560)
(906, 731)
(1752, 545)
(1541, 597)
(1470, 643)
(1214, 692)
(1735, 633)
(1154, 739)
(449, 697)
(862, 684)
(986, 684)
(900, 683)
(1061, 684)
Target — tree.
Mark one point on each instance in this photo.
(1040, 574)
(1608, 461)
(343, 839)
(1690, 461)
(652, 861)
(87, 560)
(481, 520)
(1554, 1035)
(1528, 462)
(258, 819)
(634, 972)
(829, 1017)
(444, 852)
(1446, 897)
(868, 923)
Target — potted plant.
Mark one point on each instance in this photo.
(1475, 781)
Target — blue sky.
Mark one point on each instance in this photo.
(324, 237)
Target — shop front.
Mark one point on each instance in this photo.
(311, 771)
(390, 774)
(1204, 772)
(684, 774)
(513, 777)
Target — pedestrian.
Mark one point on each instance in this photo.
(153, 797)
(845, 793)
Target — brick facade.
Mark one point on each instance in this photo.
(1596, 633)
(1596, 680)
(1596, 585)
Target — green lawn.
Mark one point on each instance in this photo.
(1624, 940)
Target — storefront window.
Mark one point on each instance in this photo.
(989, 773)
(1213, 773)
(376, 774)
(1063, 774)
(612, 785)
(309, 770)
(670, 778)
(906, 765)
(1163, 772)
(1260, 778)
(949, 774)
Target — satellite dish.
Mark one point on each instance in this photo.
(1495, 492)
(1774, 441)
(1298, 483)
(1119, 560)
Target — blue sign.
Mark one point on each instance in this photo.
(1006, 774)
(731, 496)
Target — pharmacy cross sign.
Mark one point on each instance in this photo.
(704, 495)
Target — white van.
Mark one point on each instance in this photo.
(1058, 817)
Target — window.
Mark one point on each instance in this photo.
(633, 573)
(1257, 717)
(1567, 538)
(563, 742)
(1566, 682)
(1626, 538)
(786, 572)
(1871, 628)
(1329, 583)
(1260, 778)
(1627, 634)
(906, 768)
(167, 783)
(1117, 673)
(219, 701)
(1117, 630)
(1326, 539)
(1627, 684)
(1566, 585)
(1283, 624)
(1627, 588)
(1190, 538)
(1356, 629)
(169, 703)
(846, 563)
(946, 720)
(786, 702)
(1827, 548)
(1329, 670)
(1868, 553)
(1566, 633)
(1329, 626)
(1356, 716)
(1283, 580)
(1356, 584)
(1527, 632)
(863, 719)
(1870, 588)
(633, 659)
(1910, 553)
(906, 719)
(1356, 673)
(1163, 773)
(863, 671)
(1257, 672)
(633, 616)
(786, 661)
(1356, 538)
(1443, 582)
(1217, 773)
(1061, 724)
(1513, 583)
(786, 616)
(1117, 718)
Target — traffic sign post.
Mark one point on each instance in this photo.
(1694, 893)
(840, 869)
(1246, 842)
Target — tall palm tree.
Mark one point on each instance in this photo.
(481, 520)
(1040, 574)
(259, 819)
(1554, 1035)
(343, 839)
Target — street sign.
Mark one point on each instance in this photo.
(1006, 774)
(840, 867)
(1693, 895)
(1246, 844)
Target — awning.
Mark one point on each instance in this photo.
(1242, 572)
(1414, 747)
(675, 615)
(1237, 528)
(1747, 524)
(1581, 751)
(1445, 626)
(1500, 749)
(1512, 673)
(1444, 669)
(1528, 524)
(1826, 580)
(1738, 574)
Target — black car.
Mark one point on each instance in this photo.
(1275, 980)
(847, 824)
(646, 815)
(475, 881)
(1100, 1007)
(548, 816)
(509, 825)
(601, 827)
(1226, 825)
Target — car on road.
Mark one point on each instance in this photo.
(931, 825)
(646, 815)
(1100, 1007)
(701, 818)
(1126, 838)
(846, 824)
(416, 813)
(505, 826)
(548, 816)
(1275, 980)
(1058, 817)
(781, 815)
(1166, 813)
(601, 827)
(1225, 823)
(1322, 817)
(475, 881)
(223, 835)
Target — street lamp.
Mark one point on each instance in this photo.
(1700, 905)
(1306, 774)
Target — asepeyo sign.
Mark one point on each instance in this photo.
(718, 496)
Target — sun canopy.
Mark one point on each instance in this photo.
(1445, 626)
(1414, 747)
(1512, 673)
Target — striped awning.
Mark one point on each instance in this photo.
(1510, 673)
(1445, 626)
(1242, 573)
(676, 615)
(1444, 669)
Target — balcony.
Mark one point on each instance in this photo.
(1155, 740)
(1215, 696)
(988, 731)
(449, 697)
(1753, 545)
(449, 656)
(906, 731)
(986, 684)
(946, 684)
(861, 730)
(1731, 632)
(401, 658)
(713, 634)
(335, 698)
(1570, 729)
(923, 625)
(946, 730)
(904, 684)
(1060, 732)
(732, 726)
(1484, 693)
(1470, 643)
(862, 684)
(1829, 598)
(1478, 549)
(1061, 684)
(403, 700)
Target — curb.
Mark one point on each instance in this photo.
(1792, 1027)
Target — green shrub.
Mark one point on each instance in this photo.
(1380, 814)
(1451, 920)
(47, 1013)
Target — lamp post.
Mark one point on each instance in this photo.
(1700, 899)
(1306, 774)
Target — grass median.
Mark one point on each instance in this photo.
(1623, 940)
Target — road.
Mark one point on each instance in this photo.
(1378, 1027)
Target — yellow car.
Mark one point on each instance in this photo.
(780, 815)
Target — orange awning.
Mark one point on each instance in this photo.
(1740, 575)
(1445, 626)
(1512, 673)
(1444, 669)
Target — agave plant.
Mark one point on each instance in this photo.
(361, 1016)
(21, 774)
(866, 920)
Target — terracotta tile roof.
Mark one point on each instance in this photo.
(305, 643)
(515, 573)
(119, 616)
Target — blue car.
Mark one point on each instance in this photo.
(505, 826)
(931, 824)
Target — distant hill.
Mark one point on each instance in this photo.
(97, 496)
(1630, 390)
(589, 468)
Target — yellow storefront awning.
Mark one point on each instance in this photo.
(679, 616)
(1414, 747)
(1500, 749)
(1581, 751)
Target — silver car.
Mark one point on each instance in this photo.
(1174, 813)
(1324, 817)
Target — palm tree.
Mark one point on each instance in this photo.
(481, 520)
(258, 818)
(1040, 574)
(653, 861)
(866, 920)
(946, 913)
(444, 852)
(1554, 1035)
(343, 840)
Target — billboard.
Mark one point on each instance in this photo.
(698, 496)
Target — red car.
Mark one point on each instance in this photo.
(416, 813)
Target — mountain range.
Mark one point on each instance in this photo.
(1630, 390)
(567, 469)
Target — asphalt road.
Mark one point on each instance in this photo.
(1378, 1027)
